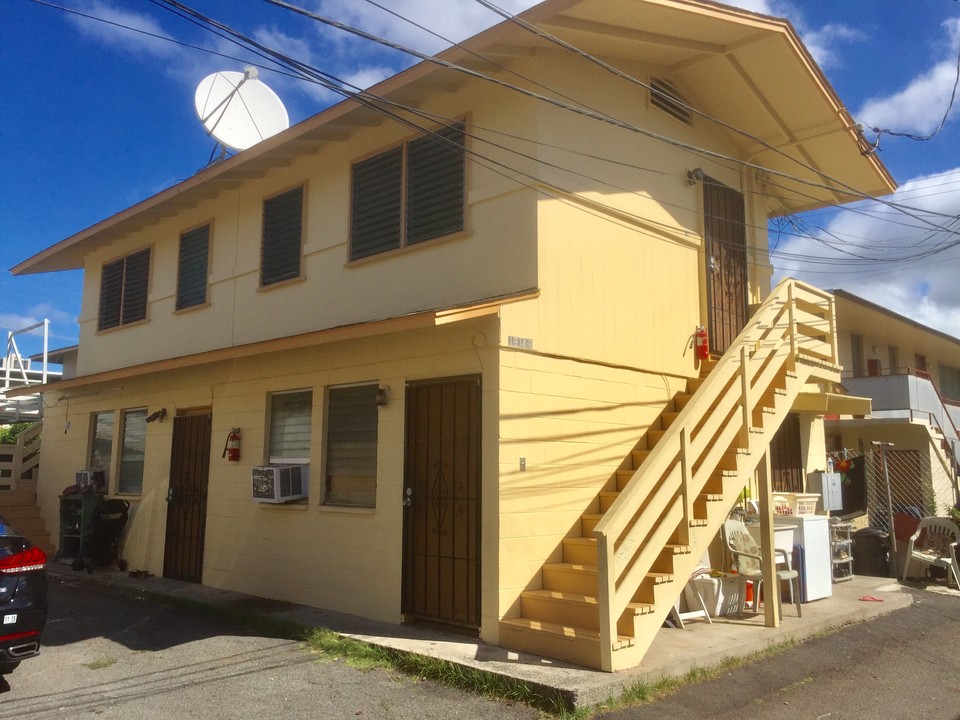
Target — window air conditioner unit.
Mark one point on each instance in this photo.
(92, 480)
(279, 483)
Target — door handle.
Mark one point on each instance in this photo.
(169, 494)
(408, 500)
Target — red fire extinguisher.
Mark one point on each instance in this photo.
(701, 344)
(231, 449)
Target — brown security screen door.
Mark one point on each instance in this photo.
(786, 458)
(441, 530)
(726, 257)
(187, 497)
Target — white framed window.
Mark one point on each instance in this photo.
(290, 421)
(132, 450)
(351, 446)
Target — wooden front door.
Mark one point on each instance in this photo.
(187, 496)
(441, 528)
(726, 258)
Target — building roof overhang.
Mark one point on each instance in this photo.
(400, 323)
(749, 71)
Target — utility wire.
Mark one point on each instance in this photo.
(922, 138)
(264, 52)
(586, 112)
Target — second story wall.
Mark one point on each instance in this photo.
(876, 342)
(622, 268)
(493, 255)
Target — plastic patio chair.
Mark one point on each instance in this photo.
(746, 560)
(934, 544)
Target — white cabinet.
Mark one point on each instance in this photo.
(812, 533)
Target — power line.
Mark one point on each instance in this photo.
(265, 52)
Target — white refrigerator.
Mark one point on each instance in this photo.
(812, 533)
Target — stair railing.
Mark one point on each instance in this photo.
(795, 327)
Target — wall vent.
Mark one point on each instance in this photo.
(664, 95)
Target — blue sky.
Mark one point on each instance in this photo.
(94, 118)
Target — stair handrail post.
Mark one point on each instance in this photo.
(747, 397)
(791, 315)
(686, 472)
(606, 592)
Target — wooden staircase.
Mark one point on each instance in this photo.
(19, 508)
(18, 488)
(602, 606)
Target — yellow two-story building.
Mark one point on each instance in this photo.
(466, 313)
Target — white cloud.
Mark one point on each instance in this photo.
(458, 20)
(115, 31)
(918, 107)
(898, 273)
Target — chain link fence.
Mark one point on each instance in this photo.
(882, 485)
(905, 481)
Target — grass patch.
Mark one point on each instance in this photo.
(364, 656)
(644, 691)
(331, 646)
(100, 664)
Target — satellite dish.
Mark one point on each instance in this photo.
(238, 110)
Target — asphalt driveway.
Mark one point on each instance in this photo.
(110, 656)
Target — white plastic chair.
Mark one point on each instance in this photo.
(746, 559)
(937, 548)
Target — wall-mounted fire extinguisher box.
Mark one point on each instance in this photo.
(701, 344)
(231, 448)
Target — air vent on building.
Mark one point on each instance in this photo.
(664, 95)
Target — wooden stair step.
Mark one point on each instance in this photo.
(16, 513)
(607, 498)
(623, 477)
(571, 644)
(654, 436)
(588, 521)
(580, 550)
(638, 456)
(667, 418)
(570, 578)
(573, 609)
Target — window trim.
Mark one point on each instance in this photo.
(261, 284)
(209, 224)
(123, 283)
(403, 244)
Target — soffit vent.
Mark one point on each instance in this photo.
(664, 95)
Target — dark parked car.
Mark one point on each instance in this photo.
(23, 597)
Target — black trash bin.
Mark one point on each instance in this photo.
(871, 552)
